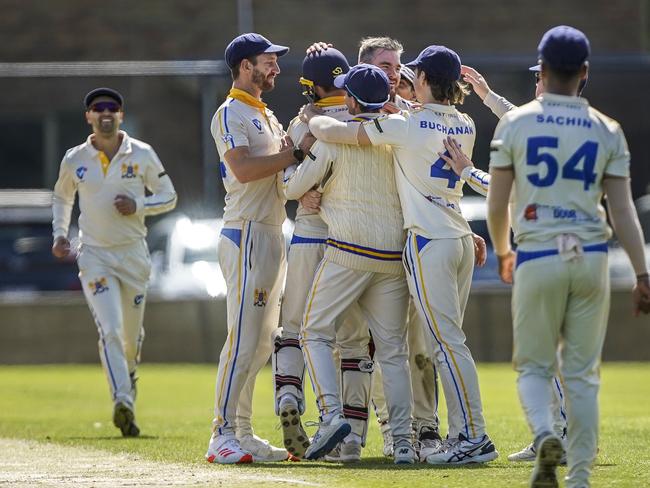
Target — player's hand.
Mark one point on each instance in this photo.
(641, 296)
(390, 108)
(318, 47)
(61, 247)
(507, 266)
(457, 160)
(480, 250)
(125, 204)
(311, 200)
(286, 143)
(307, 142)
(474, 78)
(309, 111)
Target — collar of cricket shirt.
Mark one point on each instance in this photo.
(330, 101)
(248, 99)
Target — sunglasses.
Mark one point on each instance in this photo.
(101, 106)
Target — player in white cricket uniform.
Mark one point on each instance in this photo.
(251, 248)
(307, 250)
(110, 172)
(362, 264)
(561, 156)
(479, 181)
(439, 238)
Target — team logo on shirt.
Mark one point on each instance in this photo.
(260, 298)
(98, 286)
(137, 300)
(258, 124)
(227, 138)
(130, 170)
(81, 171)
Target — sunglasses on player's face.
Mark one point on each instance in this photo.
(99, 107)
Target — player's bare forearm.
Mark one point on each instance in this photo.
(498, 217)
(248, 168)
(626, 221)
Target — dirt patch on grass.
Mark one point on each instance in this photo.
(28, 463)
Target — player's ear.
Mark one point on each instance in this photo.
(87, 115)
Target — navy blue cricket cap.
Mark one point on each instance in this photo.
(564, 47)
(320, 68)
(251, 44)
(103, 92)
(439, 62)
(368, 84)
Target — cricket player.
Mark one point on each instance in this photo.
(385, 53)
(110, 172)
(308, 244)
(249, 140)
(479, 181)
(362, 264)
(439, 238)
(405, 88)
(559, 156)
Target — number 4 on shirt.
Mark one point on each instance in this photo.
(438, 171)
(570, 170)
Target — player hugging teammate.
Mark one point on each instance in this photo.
(379, 225)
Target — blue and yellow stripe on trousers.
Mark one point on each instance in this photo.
(318, 391)
(459, 384)
(234, 334)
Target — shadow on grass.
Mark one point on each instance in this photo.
(372, 464)
(109, 438)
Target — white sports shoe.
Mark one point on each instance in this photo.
(345, 452)
(465, 451)
(327, 437)
(388, 439)
(404, 452)
(262, 450)
(529, 454)
(296, 440)
(226, 450)
(549, 454)
(429, 442)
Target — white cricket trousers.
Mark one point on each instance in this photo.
(114, 281)
(383, 299)
(439, 274)
(566, 304)
(352, 337)
(423, 377)
(252, 258)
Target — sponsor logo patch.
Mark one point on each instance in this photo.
(81, 172)
(258, 124)
(137, 300)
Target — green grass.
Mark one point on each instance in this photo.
(70, 405)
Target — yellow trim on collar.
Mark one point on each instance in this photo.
(105, 162)
(330, 101)
(247, 98)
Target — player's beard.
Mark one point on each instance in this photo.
(107, 126)
(262, 81)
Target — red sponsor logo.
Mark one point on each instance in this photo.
(531, 212)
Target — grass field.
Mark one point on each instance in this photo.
(69, 405)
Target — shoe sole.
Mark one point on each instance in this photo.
(294, 436)
(337, 436)
(123, 419)
(245, 459)
(549, 455)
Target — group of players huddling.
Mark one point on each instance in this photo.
(378, 274)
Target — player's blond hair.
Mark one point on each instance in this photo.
(369, 46)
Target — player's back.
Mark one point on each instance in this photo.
(561, 148)
(430, 191)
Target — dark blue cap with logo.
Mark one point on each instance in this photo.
(438, 62)
(564, 48)
(248, 45)
(103, 92)
(320, 68)
(368, 84)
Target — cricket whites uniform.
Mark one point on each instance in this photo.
(307, 249)
(113, 260)
(251, 256)
(362, 263)
(424, 377)
(439, 252)
(560, 149)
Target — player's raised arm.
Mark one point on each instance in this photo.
(458, 161)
